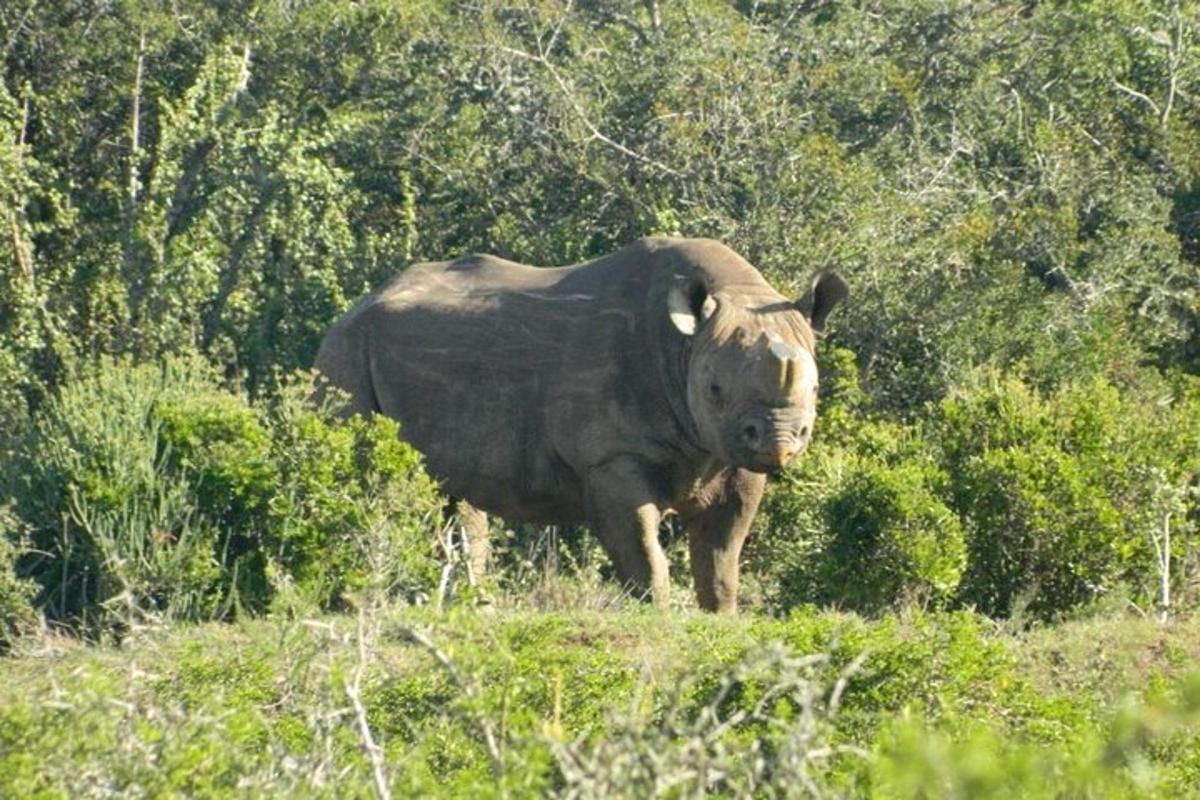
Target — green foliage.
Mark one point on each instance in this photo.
(1010, 190)
(1001, 183)
(862, 522)
(980, 761)
(113, 529)
(1010, 417)
(352, 508)
(151, 490)
(17, 613)
(1061, 494)
(1002, 497)
(614, 704)
(891, 540)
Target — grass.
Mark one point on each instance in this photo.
(1107, 657)
(403, 702)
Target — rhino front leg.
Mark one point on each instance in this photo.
(623, 512)
(716, 532)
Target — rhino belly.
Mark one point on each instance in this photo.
(503, 475)
(484, 443)
(515, 497)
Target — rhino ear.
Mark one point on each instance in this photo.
(689, 305)
(827, 290)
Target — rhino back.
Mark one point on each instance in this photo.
(512, 380)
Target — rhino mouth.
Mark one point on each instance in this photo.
(772, 460)
(769, 459)
(761, 443)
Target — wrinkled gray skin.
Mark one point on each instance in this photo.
(667, 376)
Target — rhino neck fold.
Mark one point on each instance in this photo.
(674, 362)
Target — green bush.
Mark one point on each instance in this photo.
(891, 540)
(1000, 496)
(861, 522)
(16, 593)
(353, 506)
(114, 528)
(1061, 494)
(859, 533)
(153, 491)
(1146, 749)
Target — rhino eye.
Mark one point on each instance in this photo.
(714, 391)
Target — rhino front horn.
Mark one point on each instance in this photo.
(788, 375)
(784, 358)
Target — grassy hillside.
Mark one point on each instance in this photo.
(609, 704)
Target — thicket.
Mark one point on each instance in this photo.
(1000, 497)
(150, 492)
(1012, 190)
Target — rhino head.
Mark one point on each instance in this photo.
(751, 376)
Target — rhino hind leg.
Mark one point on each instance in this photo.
(475, 531)
(471, 524)
(622, 512)
(716, 534)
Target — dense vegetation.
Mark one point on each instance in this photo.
(190, 192)
(590, 704)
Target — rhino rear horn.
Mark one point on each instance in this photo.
(689, 305)
(827, 290)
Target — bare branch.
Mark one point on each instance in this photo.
(835, 698)
(17, 29)
(1175, 48)
(20, 247)
(135, 123)
(354, 691)
(568, 92)
(1136, 94)
(134, 182)
(655, 17)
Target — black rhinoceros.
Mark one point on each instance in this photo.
(668, 376)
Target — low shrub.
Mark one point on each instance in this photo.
(151, 490)
(17, 614)
(1002, 497)
(861, 523)
(353, 507)
(1062, 494)
(631, 704)
(891, 540)
(1148, 748)
(113, 527)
